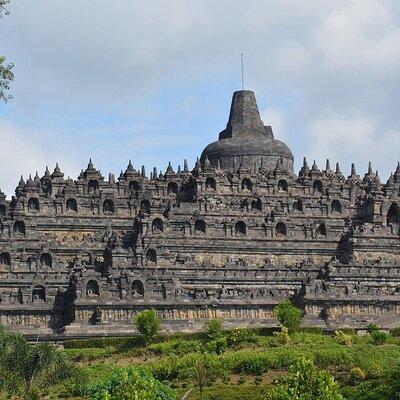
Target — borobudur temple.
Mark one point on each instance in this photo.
(229, 239)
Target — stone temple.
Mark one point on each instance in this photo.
(229, 239)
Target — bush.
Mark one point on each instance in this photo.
(148, 324)
(345, 339)
(130, 384)
(288, 315)
(213, 329)
(357, 374)
(177, 347)
(372, 328)
(282, 338)
(241, 335)
(304, 381)
(217, 346)
(379, 337)
(395, 332)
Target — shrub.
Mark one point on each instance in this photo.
(379, 337)
(148, 324)
(288, 315)
(282, 338)
(357, 374)
(304, 381)
(213, 329)
(130, 384)
(241, 335)
(372, 328)
(345, 339)
(176, 347)
(217, 346)
(395, 332)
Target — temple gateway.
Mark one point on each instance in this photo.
(229, 239)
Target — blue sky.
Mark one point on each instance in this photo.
(152, 81)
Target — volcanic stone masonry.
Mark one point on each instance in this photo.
(230, 239)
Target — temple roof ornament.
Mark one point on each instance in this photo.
(246, 140)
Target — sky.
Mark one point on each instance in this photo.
(152, 81)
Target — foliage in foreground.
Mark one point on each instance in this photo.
(133, 383)
(305, 382)
(27, 369)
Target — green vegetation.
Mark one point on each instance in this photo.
(218, 364)
(28, 370)
(288, 315)
(6, 74)
(148, 324)
(130, 384)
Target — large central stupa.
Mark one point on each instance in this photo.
(246, 140)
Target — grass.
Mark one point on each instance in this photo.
(245, 368)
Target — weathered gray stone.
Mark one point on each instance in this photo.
(230, 239)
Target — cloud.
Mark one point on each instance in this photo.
(354, 139)
(152, 80)
(23, 154)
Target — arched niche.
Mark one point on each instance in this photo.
(247, 184)
(39, 294)
(145, 206)
(33, 204)
(172, 188)
(321, 230)
(5, 259)
(280, 229)
(71, 205)
(256, 204)
(336, 206)
(137, 289)
(19, 228)
(282, 185)
(151, 256)
(134, 186)
(297, 205)
(108, 207)
(393, 218)
(317, 186)
(393, 215)
(211, 185)
(157, 225)
(93, 185)
(240, 228)
(46, 260)
(200, 226)
(92, 288)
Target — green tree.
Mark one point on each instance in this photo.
(26, 368)
(288, 315)
(305, 382)
(213, 329)
(6, 74)
(133, 383)
(204, 372)
(148, 324)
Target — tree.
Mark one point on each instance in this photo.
(148, 324)
(130, 384)
(305, 382)
(288, 315)
(213, 329)
(26, 368)
(6, 74)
